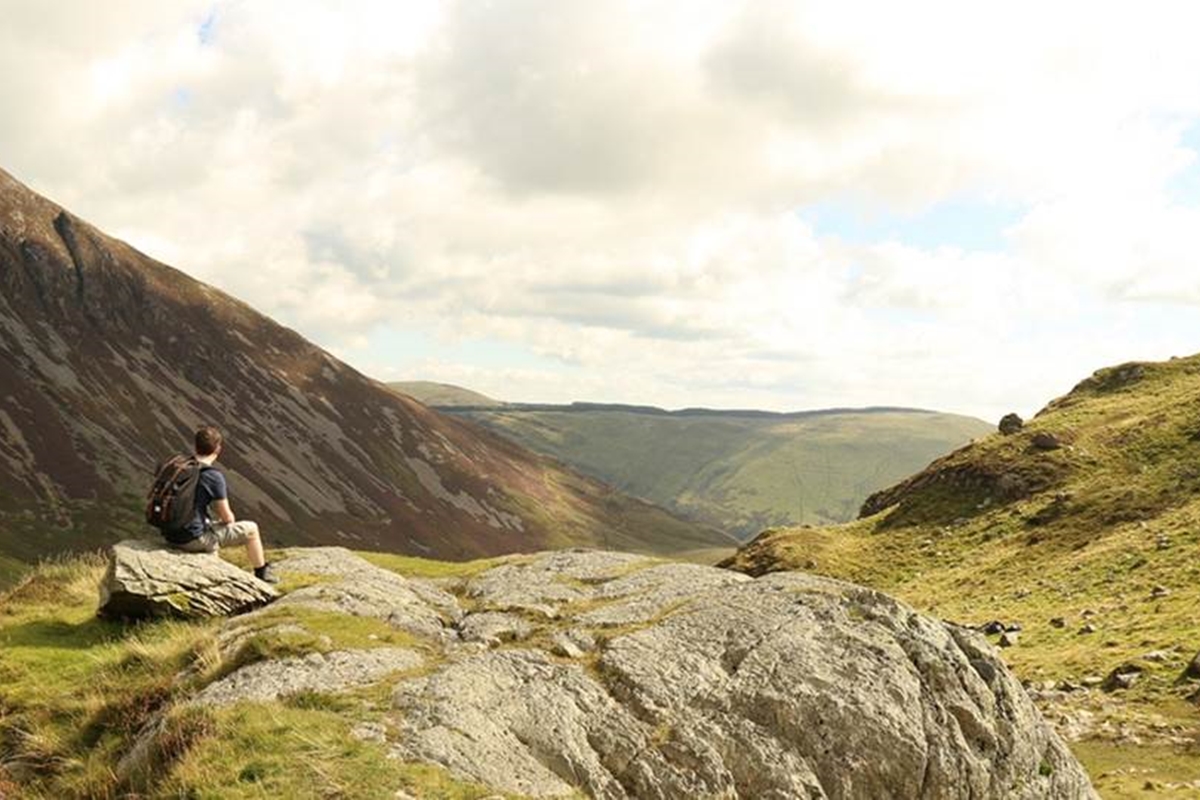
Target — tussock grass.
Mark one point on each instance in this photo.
(300, 748)
(79, 692)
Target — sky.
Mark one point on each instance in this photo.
(779, 205)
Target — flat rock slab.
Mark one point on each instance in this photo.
(319, 672)
(355, 587)
(150, 579)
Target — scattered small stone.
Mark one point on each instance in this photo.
(992, 628)
(1159, 591)
(1091, 681)
(1009, 638)
(572, 645)
(1013, 627)
(369, 732)
(1087, 612)
(1010, 424)
(1123, 676)
(1058, 622)
(1088, 628)
(1192, 671)
(1043, 440)
(1157, 655)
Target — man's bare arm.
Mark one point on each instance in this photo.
(223, 512)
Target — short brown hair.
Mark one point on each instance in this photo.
(208, 439)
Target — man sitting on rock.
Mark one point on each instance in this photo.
(207, 533)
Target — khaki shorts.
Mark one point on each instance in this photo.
(219, 533)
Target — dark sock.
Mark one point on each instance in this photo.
(260, 571)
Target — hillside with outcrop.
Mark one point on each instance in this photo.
(109, 359)
(737, 470)
(567, 674)
(1076, 538)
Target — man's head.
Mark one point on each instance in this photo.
(208, 441)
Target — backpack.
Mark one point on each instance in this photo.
(171, 504)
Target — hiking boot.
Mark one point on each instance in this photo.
(265, 574)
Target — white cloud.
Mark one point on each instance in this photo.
(618, 187)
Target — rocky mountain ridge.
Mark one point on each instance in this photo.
(109, 359)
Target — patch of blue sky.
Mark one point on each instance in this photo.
(181, 98)
(972, 225)
(402, 349)
(1184, 187)
(207, 29)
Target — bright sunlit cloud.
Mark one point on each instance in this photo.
(753, 204)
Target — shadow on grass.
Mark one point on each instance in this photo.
(63, 635)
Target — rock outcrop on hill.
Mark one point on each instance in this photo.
(109, 359)
(619, 676)
(146, 579)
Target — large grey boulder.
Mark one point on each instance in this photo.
(317, 672)
(616, 676)
(149, 579)
(712, 684)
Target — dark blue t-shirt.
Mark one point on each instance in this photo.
(211, 487)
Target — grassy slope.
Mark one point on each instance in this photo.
(741, 474)
(1099, 524)
(442, 394)
(77, 690)
(11, 571)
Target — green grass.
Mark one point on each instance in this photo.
(11, 571)
(740, 473)
(77, 690)
(1122, 772)
(1104, 521)
(301, 748)
(414, 567)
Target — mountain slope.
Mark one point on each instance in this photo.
(1084, 528)
(109, 359)
(432, 393)
(740, 471)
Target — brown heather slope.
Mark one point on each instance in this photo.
(109, 358)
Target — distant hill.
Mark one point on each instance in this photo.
(109, 359)
(443, 394)
(1084, 529)
(738, 470)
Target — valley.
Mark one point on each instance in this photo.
(739, 471)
